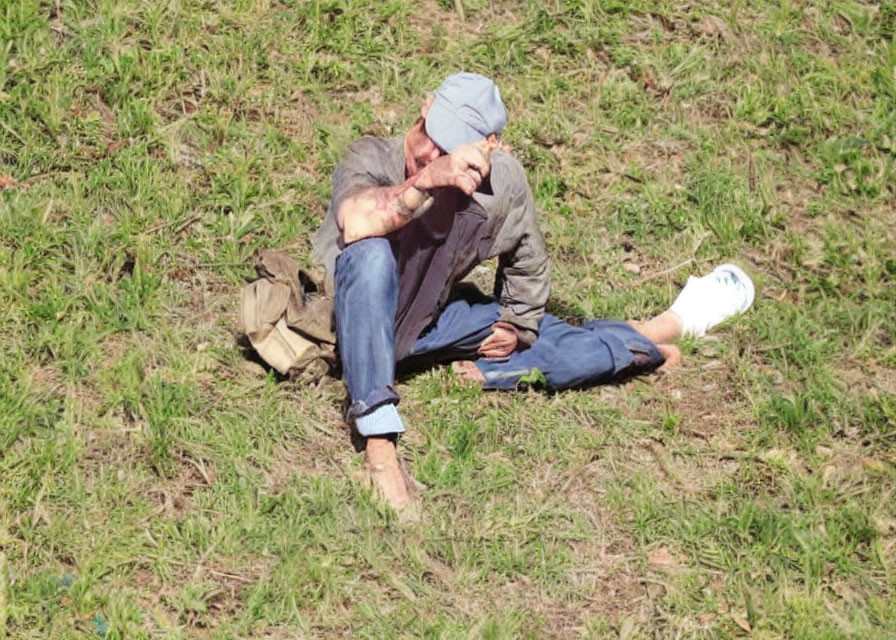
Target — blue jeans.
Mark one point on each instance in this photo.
(366, 299)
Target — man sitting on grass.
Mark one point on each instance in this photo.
(410, 217)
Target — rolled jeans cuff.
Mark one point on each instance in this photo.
(376, 414)
(384, 420)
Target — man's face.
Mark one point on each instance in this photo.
(420, 149)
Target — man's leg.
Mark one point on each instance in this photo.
(567, 356)
(459, 330)
(662, 329)
(703, 303)
(365, 303)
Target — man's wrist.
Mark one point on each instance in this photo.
(411, 199)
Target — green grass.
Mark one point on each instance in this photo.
(154, 483)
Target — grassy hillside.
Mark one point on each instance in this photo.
(157, 483)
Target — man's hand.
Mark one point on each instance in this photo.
(465, 169)
(501, 343)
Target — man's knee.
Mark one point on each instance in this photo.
(368, 263)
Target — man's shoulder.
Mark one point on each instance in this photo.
(380, 159)
(506, 169)
(507, 175)
(374, 146)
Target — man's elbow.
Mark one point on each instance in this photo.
(349, 220)
(362, 217)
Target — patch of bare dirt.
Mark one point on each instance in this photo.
(296, 119)
(704, 394)
(174, 496)
(654, 28)
(107, 449)
(847, 469)
(214, 589)
(662, 158)
(114, 348)
(452, 24)
(316, 457)
(868, 379)
(47, 379)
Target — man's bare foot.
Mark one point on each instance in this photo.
(672, 354)
(385, 473)
(467, 370)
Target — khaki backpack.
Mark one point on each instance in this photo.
(288, 319)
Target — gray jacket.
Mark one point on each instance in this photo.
(446, 242)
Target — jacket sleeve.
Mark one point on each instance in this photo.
(523, 278)
(365, 164)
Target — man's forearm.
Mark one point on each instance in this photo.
(380, 210)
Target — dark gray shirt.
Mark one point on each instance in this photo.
(440, 247)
